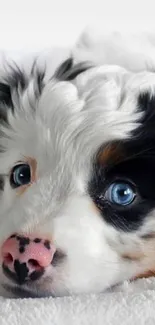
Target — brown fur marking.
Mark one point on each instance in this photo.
(112, 153)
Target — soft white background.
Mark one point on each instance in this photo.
(41, 23)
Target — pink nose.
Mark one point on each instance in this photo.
(26, 258)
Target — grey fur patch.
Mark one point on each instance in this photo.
(38, 75)
(18, 79)
(16, 82)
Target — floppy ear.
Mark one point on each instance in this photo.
(5, 101)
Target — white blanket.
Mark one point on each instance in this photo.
(132, 303)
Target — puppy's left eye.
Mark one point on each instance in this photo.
(120, 193)
(20, 175)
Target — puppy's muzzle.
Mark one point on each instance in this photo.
(26, 259)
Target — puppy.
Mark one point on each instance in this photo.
(77, 179)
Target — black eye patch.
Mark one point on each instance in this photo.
(140, 173)
(132, 165)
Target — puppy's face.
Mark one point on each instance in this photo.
(77, 181)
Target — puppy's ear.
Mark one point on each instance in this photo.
(5, 101)
(68, 71)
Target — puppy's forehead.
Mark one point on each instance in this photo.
(72, 120)
(97, 125)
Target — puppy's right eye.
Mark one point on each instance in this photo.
(120, 193)
(20, 175)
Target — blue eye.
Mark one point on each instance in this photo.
(120, 193)
(21, 175)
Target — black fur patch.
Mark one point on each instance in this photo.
(140, 172)
(137, 167)
(64, 68)
(68, 71)
(14, 80)
(1, 183)
(146, 104)
(17, 80)
(5, 94)
(40, 81)
(16, 77)
(5, 101)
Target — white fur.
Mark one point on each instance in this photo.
(70, 123)
(134, 51)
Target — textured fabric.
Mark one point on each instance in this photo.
(128, 304)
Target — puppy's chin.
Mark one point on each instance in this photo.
(44, 289)
(10, 291)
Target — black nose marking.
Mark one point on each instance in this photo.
(47, 244)
(13, 236)
(21, 270)
(37, 240)
(21, 249)
(23, 241)
(21, 274)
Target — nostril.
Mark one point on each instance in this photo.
(34, 264)
(7, 259)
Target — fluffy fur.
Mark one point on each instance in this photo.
(84, 127)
